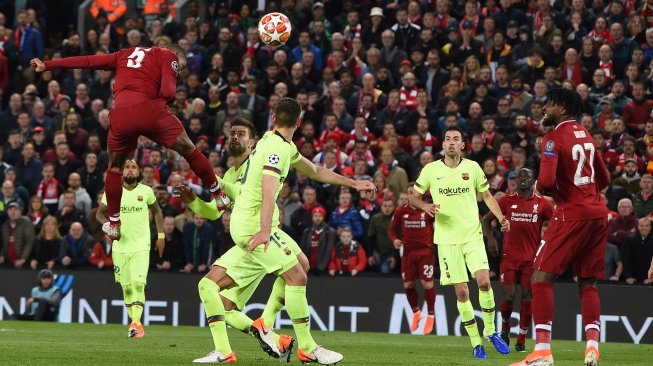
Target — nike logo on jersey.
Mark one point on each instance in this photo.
(438, 178)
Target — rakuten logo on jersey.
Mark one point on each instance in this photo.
(453, 191)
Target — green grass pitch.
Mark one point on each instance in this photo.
(28, 343)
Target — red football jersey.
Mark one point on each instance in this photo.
(572, 171)
(526, 217)
(142, 73)
(416, 228)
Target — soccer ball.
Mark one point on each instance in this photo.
(274, 29)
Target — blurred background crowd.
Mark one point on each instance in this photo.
(379, 81)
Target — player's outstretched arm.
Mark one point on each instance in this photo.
(93, 62)
(324, 175)
(493, 205)
(207, 210)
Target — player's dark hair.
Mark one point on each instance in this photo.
(569, 99)
(240, 121)
(287, 112)
(455, 128)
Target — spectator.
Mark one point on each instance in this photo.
(28, 169)
(197, 244)
(637, 111)
(29, 42)
(397, 179)
(64, 165)
(9, 195)
(173, 254)
(100, 255)
(49, 189)
(347, 256)
(619, 229)
(637, 254)
(17, 237)
(630, 178)
(317, 241)
(91, 176)
(36, 212)
(75, 247)
(43, 303)
(302, 218)
(346, 215)
(46, 245)
(82, 198)
(642, 201)
(68, 213)
(380, 251)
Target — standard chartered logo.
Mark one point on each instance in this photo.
(448, 191)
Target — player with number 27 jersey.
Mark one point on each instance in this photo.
(572, 171)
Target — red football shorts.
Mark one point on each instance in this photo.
(418, 264)
(151, 118)
(516, 272)
(578, 243)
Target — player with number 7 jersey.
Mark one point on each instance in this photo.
(577, 234)
(145, 79)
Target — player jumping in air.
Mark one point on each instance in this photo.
(418, 259)
(131, 254)
(241, 141)
(571, 170)
(145, 79)
(526, 212)
(255, 221)
(454, 183)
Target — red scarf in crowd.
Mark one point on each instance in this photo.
(408, 98)
(576, 75)
(387, 169)
(49, 191)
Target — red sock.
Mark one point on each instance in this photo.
(543, 312)
(411, 295)
(429, 296)
(201, 166)
(113, 189)
(506, 314)
(591, 308)
(525, 316)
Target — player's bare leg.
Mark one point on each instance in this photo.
(209, 289)
(297, 308)
(506, 310)
(429, 297)
(542, 317)
(413, 301)
(200, 166)
(486, 301)
(113, 190)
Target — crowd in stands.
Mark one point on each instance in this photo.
(379, 82)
